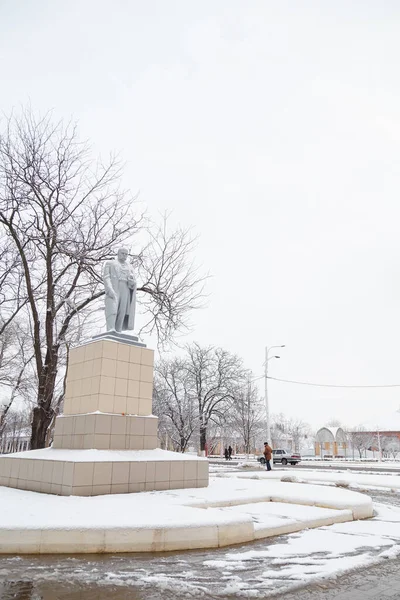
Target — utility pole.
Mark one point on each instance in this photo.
(246, 415)
(268, 423)
(267, 359)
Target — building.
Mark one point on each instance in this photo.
(331, 442)
(15, 441)
(381, 436)
(377, 438)
(386, 425)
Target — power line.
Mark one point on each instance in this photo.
(257, 378)
(249, 381)
(329, 385)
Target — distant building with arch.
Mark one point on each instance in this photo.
(380, 436)
(331, 441)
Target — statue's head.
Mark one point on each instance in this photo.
(123, 254)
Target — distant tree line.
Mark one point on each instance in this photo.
(203, 391)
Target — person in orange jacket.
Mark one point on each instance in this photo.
(267, 455)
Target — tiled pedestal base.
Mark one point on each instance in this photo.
(91, 472)
(106, 441)
(110, 377)
(106, 432)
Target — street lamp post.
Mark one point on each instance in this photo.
(267, 359)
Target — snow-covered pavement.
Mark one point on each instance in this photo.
(314, 554)
(255, 570)
(229, 511)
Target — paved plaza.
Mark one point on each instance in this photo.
(375, 583)
(379, 582)
(261, 569)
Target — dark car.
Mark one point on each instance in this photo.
(283, 457)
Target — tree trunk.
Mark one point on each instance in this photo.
(43, 412)
(203, 437)
(40, 423)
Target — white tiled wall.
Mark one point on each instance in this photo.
(109, 377)
(94, 478)
(111, 432)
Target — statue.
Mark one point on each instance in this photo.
(120, 287)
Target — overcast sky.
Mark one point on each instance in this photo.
(273, 128)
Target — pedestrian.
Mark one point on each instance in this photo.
(226, 454)
(230, 452)
(268, 456)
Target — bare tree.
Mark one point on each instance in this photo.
(299, 430)
(247, 414)
(213, 376)
(12, 296)
(289, 431)
(334, 423)
(173, 286)
(360, 440)
(15, 376)
(61, 215)
(216, 435)
(390, 445)
(174, 401)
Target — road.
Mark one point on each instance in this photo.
(355, 467)
(324, 466)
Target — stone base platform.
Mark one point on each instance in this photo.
(69, 472)
(116, 336)
(106, 441)
(230, 511)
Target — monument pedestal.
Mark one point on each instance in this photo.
(106, 441)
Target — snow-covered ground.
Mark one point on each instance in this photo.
(254, 570)
(310, 555)
(216, 516)
(251, 571)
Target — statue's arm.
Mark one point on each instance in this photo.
(132, 280)
(107, 280)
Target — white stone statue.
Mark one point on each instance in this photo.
(120, 287)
